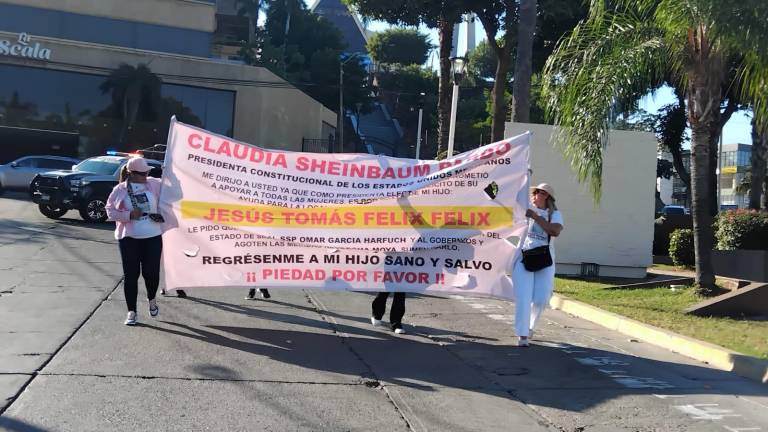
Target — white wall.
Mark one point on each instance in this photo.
(618, 233)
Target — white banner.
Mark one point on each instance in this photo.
(239, 215)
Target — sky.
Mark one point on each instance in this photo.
(737, 130)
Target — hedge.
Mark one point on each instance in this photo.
(742, 229)
(681, 248)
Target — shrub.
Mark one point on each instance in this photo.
(742, 229)
(681, 248)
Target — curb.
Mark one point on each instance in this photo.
(743, 365)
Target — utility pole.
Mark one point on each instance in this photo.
(341, 102)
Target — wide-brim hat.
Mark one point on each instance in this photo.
(138, 164)
(546, 188)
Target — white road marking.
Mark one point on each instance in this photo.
(600, 361)
(706, 411)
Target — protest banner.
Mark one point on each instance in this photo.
(244, 216)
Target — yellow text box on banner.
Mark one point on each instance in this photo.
(348, 217)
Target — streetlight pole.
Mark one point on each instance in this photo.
(418, 129)
(458, 65)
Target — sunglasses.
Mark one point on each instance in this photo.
(538, 191)
(142, 174)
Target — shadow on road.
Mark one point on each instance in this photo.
(542, 375)
(13, 425)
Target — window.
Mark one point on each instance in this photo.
(26, 162)
(98, 167)
(53, 100)
(108, 31)
(744, 157)
(54, 163)
(729, 159)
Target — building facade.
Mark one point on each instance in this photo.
(735, 160)
(115, 71)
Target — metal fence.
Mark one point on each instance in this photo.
(316, 145)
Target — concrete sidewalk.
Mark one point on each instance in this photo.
(52, 277)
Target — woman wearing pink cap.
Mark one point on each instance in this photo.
(534, 273)
(133, 205)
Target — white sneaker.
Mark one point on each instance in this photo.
(377, 322)
(523, 342)
(130, 320)
(153, 309)
(400, 330)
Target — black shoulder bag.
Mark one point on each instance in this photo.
(540, 257)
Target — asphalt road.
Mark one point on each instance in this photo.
(309, 360)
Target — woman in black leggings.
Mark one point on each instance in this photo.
(379, 306)
(133, 205)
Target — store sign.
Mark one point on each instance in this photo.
(730, 170)
(23, 47)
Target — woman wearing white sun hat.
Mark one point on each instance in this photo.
(534, 274)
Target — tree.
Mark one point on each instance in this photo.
(135, 91)
(481, 64)
(438, 14)
(501, 16)
(306, 49)
(521, 92)
(403, 46)
(16, 112)
(251, 9)
(513, 35)
(628, 47)
(401, 89)
(758, 165)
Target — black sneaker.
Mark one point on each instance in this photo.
(264, 293)
(251, 294)
(181, 294)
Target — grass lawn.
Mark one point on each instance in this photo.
(670, 267)
(662, 307)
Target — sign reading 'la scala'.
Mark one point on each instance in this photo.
(24, 47)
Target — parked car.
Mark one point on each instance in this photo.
(18, 174)
(674, 210)
(85, 187)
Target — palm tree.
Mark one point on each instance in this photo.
(757, 168)
(521, 93)
(133, 88)
(628, 46)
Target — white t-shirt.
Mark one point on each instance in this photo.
(143, 227)
(536, 235)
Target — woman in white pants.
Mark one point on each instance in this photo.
(534, 288)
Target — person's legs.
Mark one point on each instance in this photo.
(129, 252)
(398, 311)
(522, 281)
(264, 293)
(379, 305)
(543, 285)
(151, 250)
